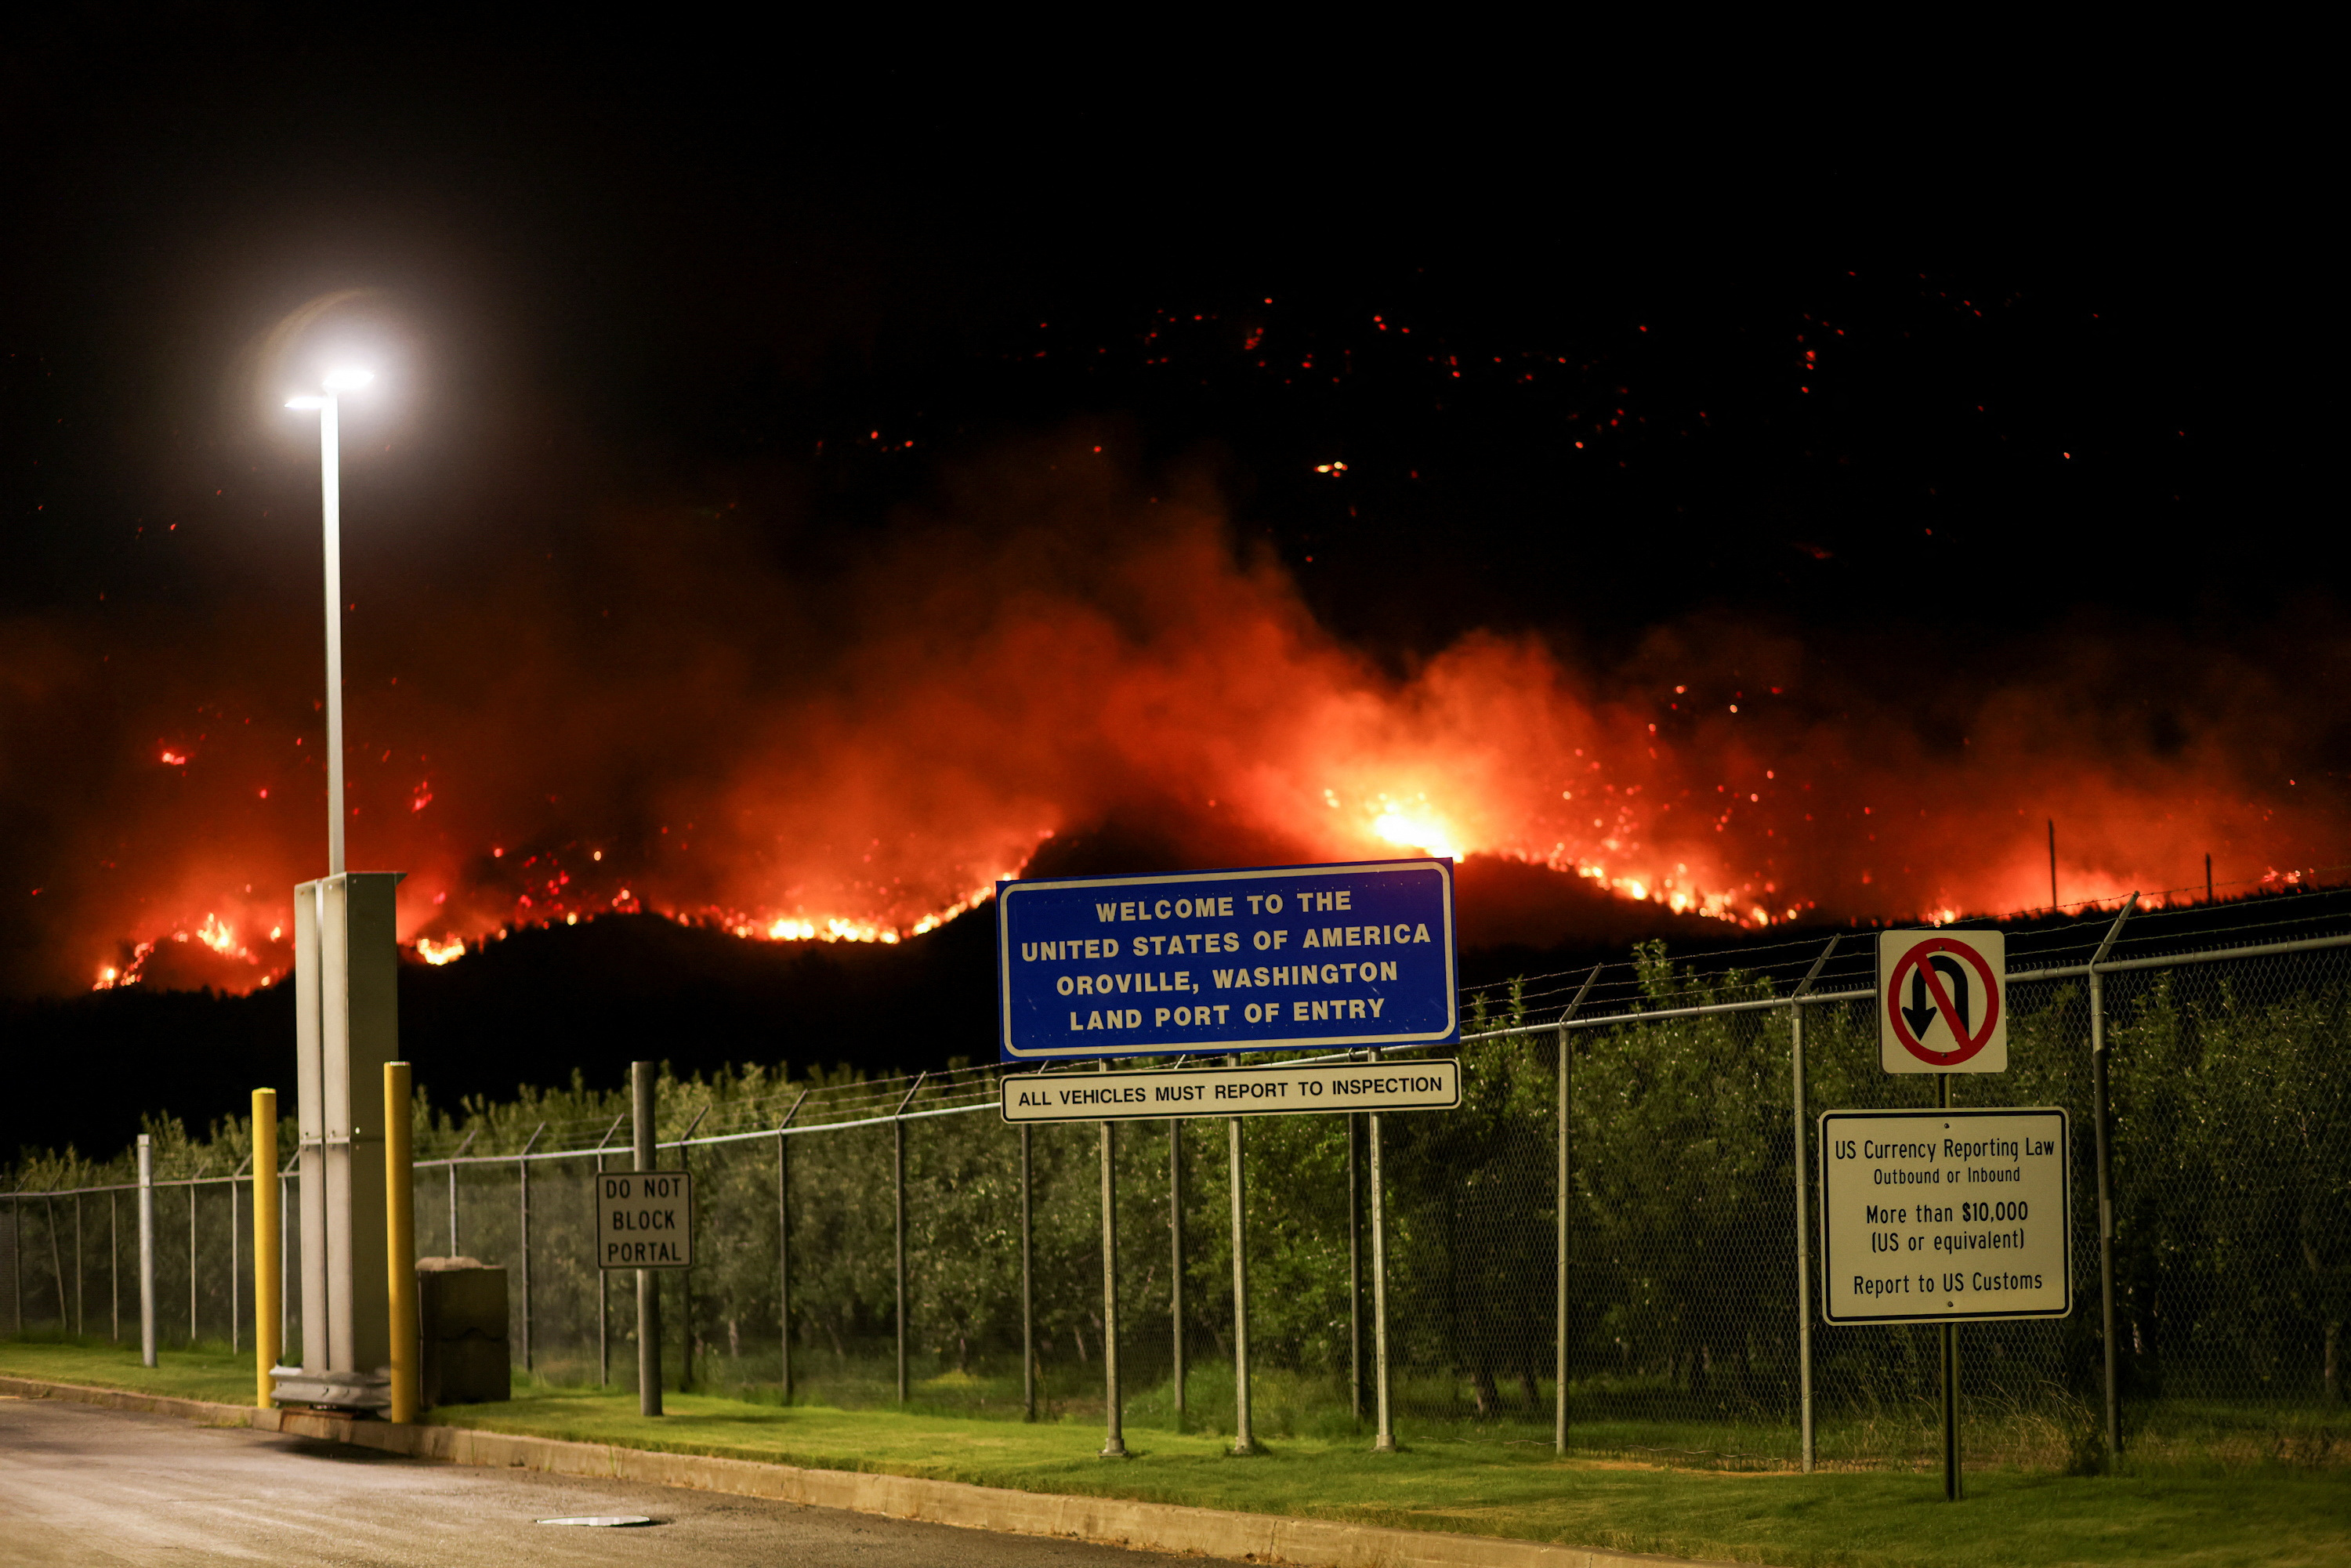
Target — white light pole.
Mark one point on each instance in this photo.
(330, 514)
(346, 1028)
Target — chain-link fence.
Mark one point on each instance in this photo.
(866, 1243)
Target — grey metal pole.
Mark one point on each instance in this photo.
(1561, 1202)
(1028, 1298)
(114, 1260)
(463, 1144)
(1176, 1257)
(1803, 1241)
(1244, 1433)
(191, 1265)
(603, 1313)
(235, 1262)
(1114, 1438)
(1384, 1441)
(898, 1190)
(784, 1247)
(1951, 1366)
(522, 1199)
(57, 1260)
(2099, 1116)
(603, 1281)
(146, 1250)
(1803, 1207)
(17, 1264)
(81, 1277)
(649, 1329)
(1355, 1268)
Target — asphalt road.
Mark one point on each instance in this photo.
(80, 1485)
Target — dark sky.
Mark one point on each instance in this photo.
(1955, 385)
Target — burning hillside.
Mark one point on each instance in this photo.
(665, 717)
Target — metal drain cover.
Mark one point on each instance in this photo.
(603, 1519)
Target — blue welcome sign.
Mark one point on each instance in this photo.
(1297, 958)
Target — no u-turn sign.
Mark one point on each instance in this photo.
(1942, 1002)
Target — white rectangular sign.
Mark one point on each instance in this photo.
(1945, 1216)
(644, 1219)
(1942, 1001)
(1322, 1087)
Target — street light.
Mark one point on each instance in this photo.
(346, 379)
(346, 1033)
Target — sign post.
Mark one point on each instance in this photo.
(1336, 958)
(1942, 1008)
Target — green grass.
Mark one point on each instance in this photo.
(2175, 1514)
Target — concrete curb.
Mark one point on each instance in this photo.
(1158, 1527)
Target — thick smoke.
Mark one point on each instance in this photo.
(682, 710)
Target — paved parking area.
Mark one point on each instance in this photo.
(83, 1485)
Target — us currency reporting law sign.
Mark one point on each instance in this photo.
(1942, 1001)
(1308, 957)
(644, 1219)
(1319, 1087)
(1945, 1216)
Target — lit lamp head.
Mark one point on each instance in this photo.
(349, 378)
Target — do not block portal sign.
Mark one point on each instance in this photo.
(1942, 1001)
(644, 1219)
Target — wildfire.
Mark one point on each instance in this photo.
(1069, 675)
(217, 936)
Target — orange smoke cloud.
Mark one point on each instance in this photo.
(671, 718)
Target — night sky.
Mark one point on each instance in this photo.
(735, 394)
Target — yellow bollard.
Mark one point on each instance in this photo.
(400, 1237)
(268, 1268)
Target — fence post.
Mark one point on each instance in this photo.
(2106, 1178)
(603, 1280)
(464, 1143)
(146, 1252)
(686, 1275)
(649, 1379)
(81, 1276)
(235, 1266)
(17, 1263)
(1566, 1105)
(267, 1325)
(522, 1187)
(784, 1246)
(1244, 1436)
(1028, 1298)
(191, 1261)
(114, 1259)
(898, 1192)
(1175, 1256)
(57, 1261)
(1355, 1268)
(1114, 1438)
(1385, 1442)
(1803, 1207)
